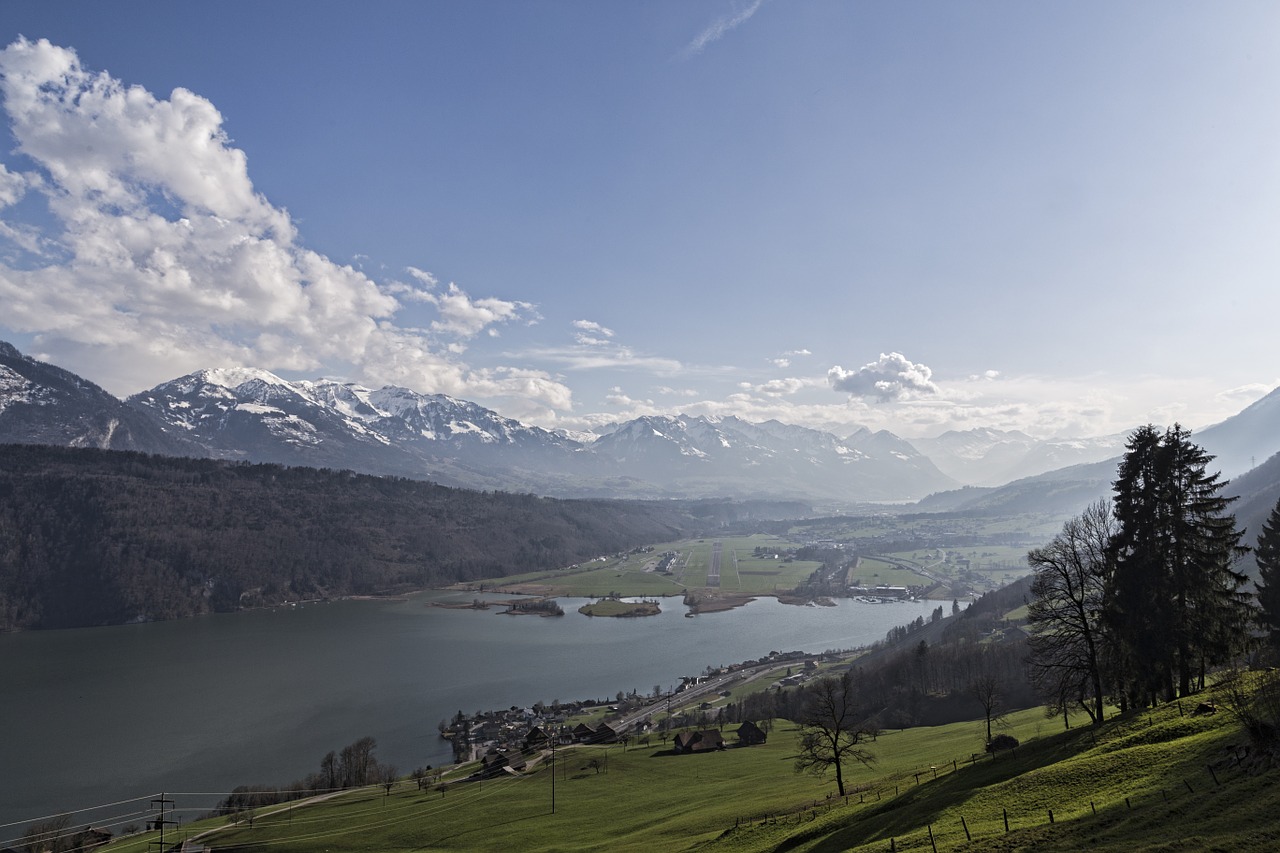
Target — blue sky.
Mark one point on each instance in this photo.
(1060, 218)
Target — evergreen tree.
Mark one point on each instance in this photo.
(1268, 556)
(1175, 604)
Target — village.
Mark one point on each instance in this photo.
(687, 716)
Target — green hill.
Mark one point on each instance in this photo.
(1168, 779)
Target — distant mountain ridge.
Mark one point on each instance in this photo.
(254, 415)
(991, 457)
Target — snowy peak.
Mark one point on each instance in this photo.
(731, 455)
(988, 457)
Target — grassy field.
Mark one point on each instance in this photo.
(634, 575)
(1159, 780)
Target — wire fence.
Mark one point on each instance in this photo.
(965, 827)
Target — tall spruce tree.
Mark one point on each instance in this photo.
(1175, 604)
(1268, 556)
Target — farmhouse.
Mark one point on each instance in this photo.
(703, 741)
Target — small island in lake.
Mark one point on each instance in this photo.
(617, 607)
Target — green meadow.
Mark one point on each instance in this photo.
(1157, 780)
(633, 574)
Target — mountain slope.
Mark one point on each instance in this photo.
(44, 404)
(1245, 439)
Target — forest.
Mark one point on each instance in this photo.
(92, 537)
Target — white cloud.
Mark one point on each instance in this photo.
(891, 377)
(780, 362)
(466, 317)
(12, 187)
(676, 392)
(721, 27)
(167, 259)
(592, 334)
(780, 387)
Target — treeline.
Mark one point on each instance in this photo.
(91, 537)
(354, 766)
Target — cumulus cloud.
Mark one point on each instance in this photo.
(166, 259)
(466, 317)
(721, 27)
(891, 377)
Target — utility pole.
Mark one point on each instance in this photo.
(160, 822)
(553, 775)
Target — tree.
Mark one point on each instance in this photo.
(1268, 556)
(987, 689)
(1175, 605)
(1067, 641)
(833, 729)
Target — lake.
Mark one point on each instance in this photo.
(100, 715)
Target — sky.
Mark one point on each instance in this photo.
(916, 216)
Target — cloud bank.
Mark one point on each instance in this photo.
(160, 257)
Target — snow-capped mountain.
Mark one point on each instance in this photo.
(990, 457)
(737, 456)
(254, 414)
(44, 404)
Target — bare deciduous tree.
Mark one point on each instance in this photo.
(833, 729)
(1065, 615)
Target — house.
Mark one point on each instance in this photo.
(582, 733)
(749, 734)
(536, 739)
(702, 741)
(496, 761)
(606, 733)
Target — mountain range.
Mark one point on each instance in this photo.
(254, 415)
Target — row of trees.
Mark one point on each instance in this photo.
(1138, 597)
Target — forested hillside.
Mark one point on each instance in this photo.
(91, 537)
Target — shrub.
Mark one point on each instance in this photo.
(1002, 742)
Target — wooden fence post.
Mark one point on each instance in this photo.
(1006, 821)
(1050, 815)
(931, 841)
(1214, 775)
(967, 836)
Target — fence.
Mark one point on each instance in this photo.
(964, 828)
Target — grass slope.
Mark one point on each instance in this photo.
(749, 799)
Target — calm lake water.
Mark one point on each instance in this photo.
(199, 706)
